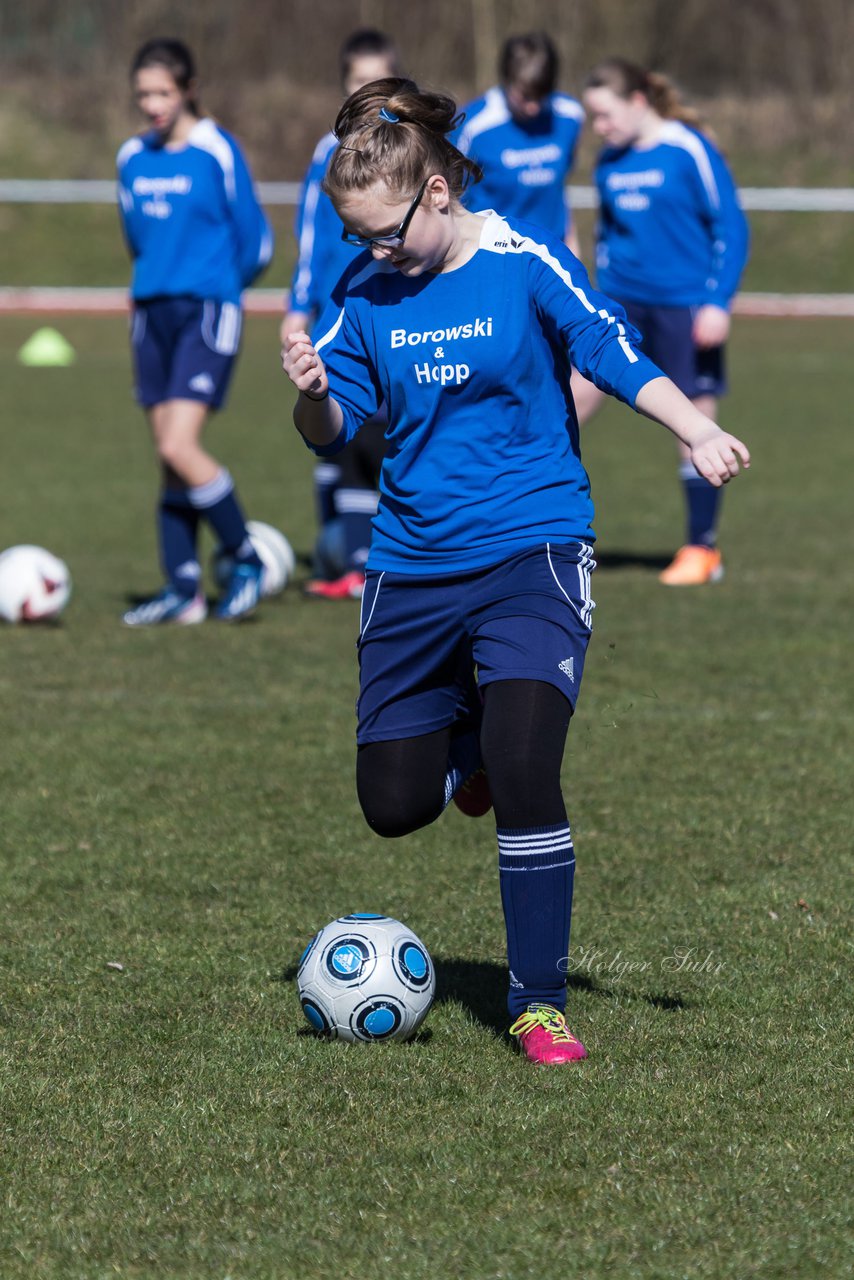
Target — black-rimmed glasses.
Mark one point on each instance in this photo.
(391, 238)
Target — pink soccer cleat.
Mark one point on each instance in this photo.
(348, 587)
(544, 1036)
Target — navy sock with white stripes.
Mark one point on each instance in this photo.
(536, 869)
(702, 502)
(177, 527)
(327, 477)
(356, 509)
(217, 502)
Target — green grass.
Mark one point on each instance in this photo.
(182, 803)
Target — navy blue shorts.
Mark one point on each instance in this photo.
(666, 339)
(184, 349)
(526, 618)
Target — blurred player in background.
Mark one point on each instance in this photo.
(523, 134)
(671, 246)
(198, 237)
(346, 488)
(464, 325)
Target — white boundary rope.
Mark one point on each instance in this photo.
(100, 191)
(114, 301)
(110, 301)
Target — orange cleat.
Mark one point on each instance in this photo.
(693, 566)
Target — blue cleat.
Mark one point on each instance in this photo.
(244, 592)
(168, 605)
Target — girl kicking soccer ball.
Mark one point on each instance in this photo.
(465, 325)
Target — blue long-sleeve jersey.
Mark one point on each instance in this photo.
(474, 365)
(671, 231)
(525, 163)
(322, 256)
(191, 217)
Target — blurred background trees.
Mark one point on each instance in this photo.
(773, 77)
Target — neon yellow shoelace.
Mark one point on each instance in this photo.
(544, 1015)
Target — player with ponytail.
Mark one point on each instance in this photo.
(477, 610)
(671, 246)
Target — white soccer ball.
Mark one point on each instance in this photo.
(366, 977)
(34, 584)
(276, 555)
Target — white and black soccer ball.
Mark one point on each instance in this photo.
(276, 555)
(35, 585)
(366, 977)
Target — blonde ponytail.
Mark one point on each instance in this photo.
(391, 131)
(664, 97)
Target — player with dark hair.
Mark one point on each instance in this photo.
(464, 325)
(198, 237)
(346, 488)
(671, 246)
(523, 134)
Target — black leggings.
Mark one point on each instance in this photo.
(401, 783)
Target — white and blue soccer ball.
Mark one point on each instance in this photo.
(35, 585)
(274, 551)
(366, 977)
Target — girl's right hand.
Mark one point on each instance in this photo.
(304, 366)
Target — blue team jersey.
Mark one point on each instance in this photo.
(525, 163)
(671, 231)
(323, 256)
(191, 218)
(474, 365)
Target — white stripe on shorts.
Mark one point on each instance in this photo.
(586, 565)
(228, 330)
(363, 626)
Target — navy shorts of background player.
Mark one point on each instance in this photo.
(667, 338)
(184, 349)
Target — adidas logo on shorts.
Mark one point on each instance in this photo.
(202, 382)
(568, 668)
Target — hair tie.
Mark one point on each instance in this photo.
(389, 116)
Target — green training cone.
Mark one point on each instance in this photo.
(47, 347)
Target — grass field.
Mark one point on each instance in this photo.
(182, 803)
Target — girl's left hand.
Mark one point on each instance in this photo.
(711, 327)
(717, 456)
